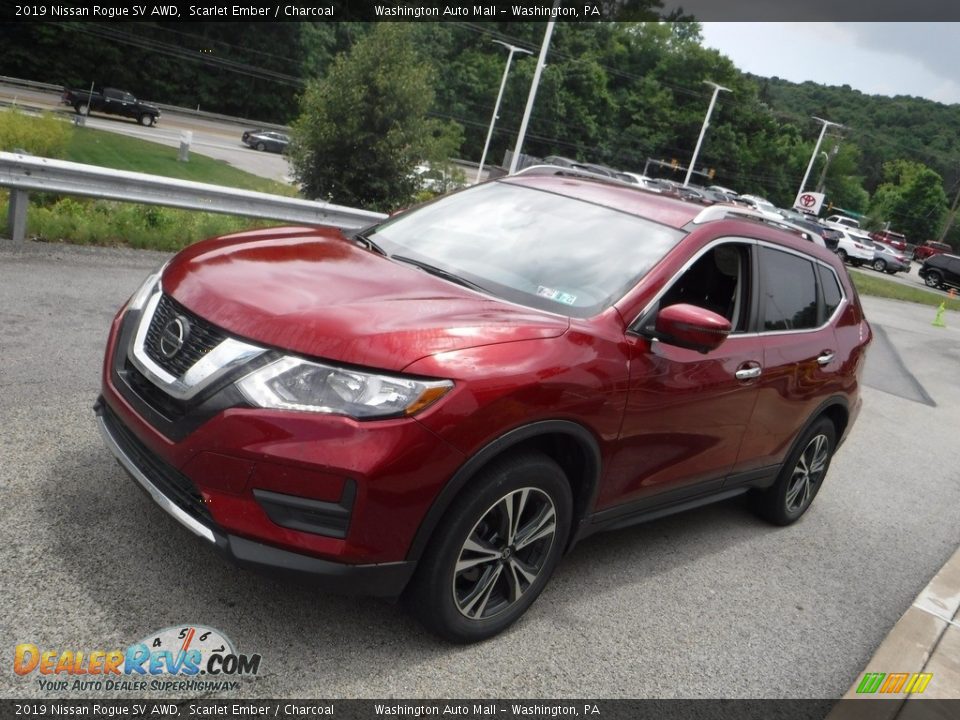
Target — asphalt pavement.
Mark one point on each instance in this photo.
(711, 603)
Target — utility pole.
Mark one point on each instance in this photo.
(496, 108)
(951, 216)
(541, 61)
(823, 173)
(816, 149)
(703, 129)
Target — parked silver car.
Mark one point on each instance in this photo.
(888, 260)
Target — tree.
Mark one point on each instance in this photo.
(912, 199)
(364, 127)
(843, 183)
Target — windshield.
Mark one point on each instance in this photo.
(530, 246)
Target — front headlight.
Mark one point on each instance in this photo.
(295, 384)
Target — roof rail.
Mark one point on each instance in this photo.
(721, 211)
(574, 172)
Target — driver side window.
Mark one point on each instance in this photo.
(719, 281)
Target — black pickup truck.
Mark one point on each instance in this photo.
(112, 102)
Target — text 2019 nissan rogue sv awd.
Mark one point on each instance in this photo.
(439, 407)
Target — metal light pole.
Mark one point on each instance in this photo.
(828, 158)
(541, 61)
(703, 130)
(813, 158)
(496, 108)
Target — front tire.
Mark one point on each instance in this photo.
(495, 550)
(146, 120)
(933, 279)
(801, 476)
(843, 255)
(81, 109)
(261, 147)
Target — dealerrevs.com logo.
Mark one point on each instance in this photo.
(186, 657)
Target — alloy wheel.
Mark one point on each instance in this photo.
(504, 553)
(807, 474)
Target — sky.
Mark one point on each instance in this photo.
(921, 59)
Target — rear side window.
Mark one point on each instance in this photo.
(831, 291)
(789, 299)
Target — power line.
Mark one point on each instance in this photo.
(183, 54)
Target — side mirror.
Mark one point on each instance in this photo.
(691, 327)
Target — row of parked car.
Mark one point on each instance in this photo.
(885, 251)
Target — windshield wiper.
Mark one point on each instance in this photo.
(440, 272)
(361, 238)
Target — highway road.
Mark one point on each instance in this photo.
(216, 139)
(712, 603)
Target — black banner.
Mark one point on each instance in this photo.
(489, 11)
(926, 709)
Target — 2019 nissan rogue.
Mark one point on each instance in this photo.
(439, 407)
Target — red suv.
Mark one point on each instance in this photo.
(929, 249)
(897, 241)
(442, 405)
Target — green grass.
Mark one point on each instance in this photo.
(107, 149)
(86, 221)
(881, 287)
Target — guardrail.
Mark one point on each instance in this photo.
(30, 84)
(23, 174)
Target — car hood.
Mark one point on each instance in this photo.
(312, 292)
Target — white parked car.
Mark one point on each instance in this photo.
(841, 222)
(647, 183)
(855, 247)
(762, 204)
(724, 190)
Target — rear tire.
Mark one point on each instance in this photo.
(880, 265)
(81, 109)
(843, 255)
(801, 476)
(933, 279)
(495, 550)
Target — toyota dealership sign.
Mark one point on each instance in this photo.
(809, 202)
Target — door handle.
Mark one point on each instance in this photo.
(748, 373)
(826, 358)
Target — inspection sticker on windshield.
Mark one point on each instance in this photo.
(560, 297)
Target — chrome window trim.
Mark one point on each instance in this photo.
(747, 241)
(228, 355)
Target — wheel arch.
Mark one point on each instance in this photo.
(572, 446)
(836, 409)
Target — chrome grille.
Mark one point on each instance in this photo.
(202, 338)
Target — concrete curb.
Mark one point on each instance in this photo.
(926, 639)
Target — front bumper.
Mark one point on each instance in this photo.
(172, 492)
